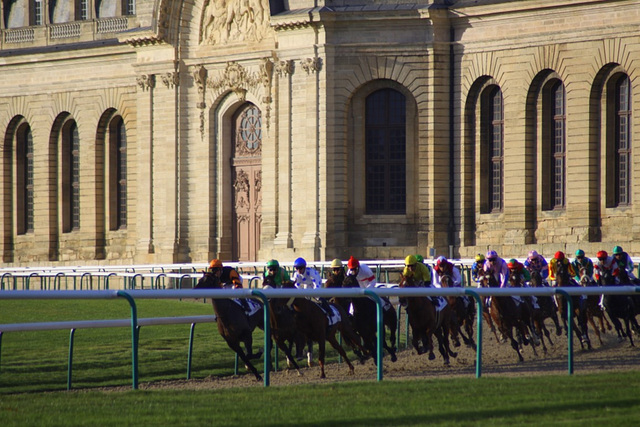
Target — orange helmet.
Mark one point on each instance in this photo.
(215, 263)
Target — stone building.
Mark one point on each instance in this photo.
(138, 131)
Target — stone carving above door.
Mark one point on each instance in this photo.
(232, 21)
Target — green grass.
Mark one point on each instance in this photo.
(33, 369)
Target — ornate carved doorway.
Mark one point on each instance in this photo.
(246, 174)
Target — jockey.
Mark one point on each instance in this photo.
(553, 265)
(606, 264)
(418, 270)
(497, 267)
(536, 262)
(420, 259)
(582, 262)
(516, 267)
(442, 267)
(624, 262)
(279, 274)
(228, 275)
(476, 269)
(363, 273)
(309, 278)
(337, 273)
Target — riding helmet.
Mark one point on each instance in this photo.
(353, 263)
(410, 260)
(617, 250)
(215, 263)
(559, 255)
(273, 263)
(441, 260)
(479, 258)
(512, 263)
(602, 255)
(420, 258)
(299, 262)
(336, 263)
(492, 254)
(579, 253)
(533, 254)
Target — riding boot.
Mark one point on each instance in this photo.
(326, 307)
(245, 305)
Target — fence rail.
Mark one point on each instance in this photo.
(263, 295)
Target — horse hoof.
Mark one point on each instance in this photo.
(394, 358)
(447, 363)
(432, 356)
(259, 378)
(456, 344)
(453, 354)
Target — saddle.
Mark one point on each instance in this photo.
(333, 317)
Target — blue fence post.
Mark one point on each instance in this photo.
(374, 296)
(267, 335)
(569, 327)
(189, 357)
(475, 296)
(70, 368)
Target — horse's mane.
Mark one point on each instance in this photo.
(208, 280)
(350, 282)
(268, 281)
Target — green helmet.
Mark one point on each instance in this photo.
(273, 263)
(579, 253)
(420, 258)
(410, 260)
(617, 250)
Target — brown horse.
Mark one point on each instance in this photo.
(233, 323)
(564, 279)
(364, 321)
(532, 315)
(312, 322)
(488, 281)
(464, 314)
(426, 321)
(547, 303)
(594, 310)
(619, 307)
(283, 326)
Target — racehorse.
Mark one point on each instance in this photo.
(464, 314)
(594, 310)
(313, 323)
(618, 307)
(488, 281)
(283, 325)
(564, 279)
(233, 323)
(547, 305)
(426, 321)
(364, 321)
(532, 316)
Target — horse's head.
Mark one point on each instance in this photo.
(446, 281)
(269, 282)
(407, 282)
(606, 278)
(488, 280)
(209, 281)
(515, 279)
(350, 282)
(563, 278)
(536, 279)
(585, 279)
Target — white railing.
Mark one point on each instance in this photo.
(63, 31)
(19, 35)
(112, 25)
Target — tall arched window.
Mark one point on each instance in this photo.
(618, 145)
(70, 177)
(554, 145)
(24, 179)
(117, 174)
(385, 151)
(492, 140)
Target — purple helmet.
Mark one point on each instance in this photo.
(533, 254)
(492, 254)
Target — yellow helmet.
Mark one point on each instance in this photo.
(336, 263)
(479, 258)
(410, 260)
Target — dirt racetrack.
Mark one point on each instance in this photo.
(497, 360)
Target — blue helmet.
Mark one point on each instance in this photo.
(299, 262)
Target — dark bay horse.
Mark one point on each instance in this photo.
(532, 315)
(426, 321)
(564, 279)
(464, 314)
(283, 326)
(233, 323)
(365, 322)
(488, 281)
(547, 303)
(618, 307)
(508, 316)
(593, 308)
(313, 324)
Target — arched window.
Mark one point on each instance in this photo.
(24, 179)
(554, 145)
(117, 174)
(385, 152)
(492, 140)
(70, 177)
(618, 146)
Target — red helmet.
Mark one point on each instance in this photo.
(559, 255)
(602, 255)
(353, 263)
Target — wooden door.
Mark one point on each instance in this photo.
(247, 183)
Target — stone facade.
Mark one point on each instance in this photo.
(178, 74)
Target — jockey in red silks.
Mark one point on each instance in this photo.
(364, 275)
(442, 267)
(605, 264)
(498, 268)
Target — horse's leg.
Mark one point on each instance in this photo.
(235, 346)
(282, 345)
(335, 344)
(310, 353)
(441, 335)
(391, 321)
(321, 350)
(591, 321)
